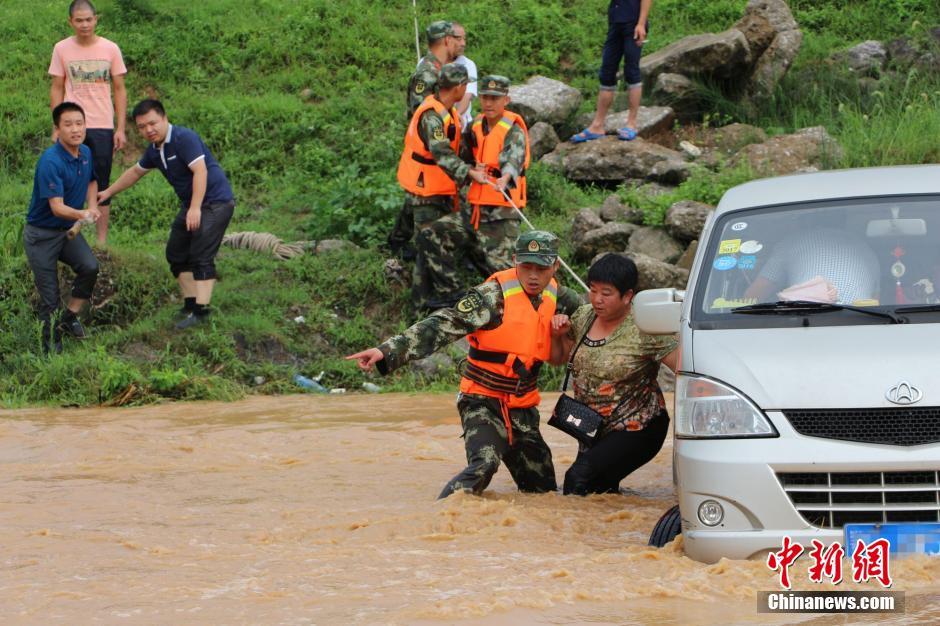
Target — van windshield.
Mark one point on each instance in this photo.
(879, 254)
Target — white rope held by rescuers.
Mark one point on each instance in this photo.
(531, 226)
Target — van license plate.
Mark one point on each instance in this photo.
(908, 538)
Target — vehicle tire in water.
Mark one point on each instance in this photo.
(667, 528)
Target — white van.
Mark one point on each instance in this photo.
(807, 396)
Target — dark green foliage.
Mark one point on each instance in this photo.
(302, 103)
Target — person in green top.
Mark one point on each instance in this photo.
(614, 372)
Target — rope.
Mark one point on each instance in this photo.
(266, 242)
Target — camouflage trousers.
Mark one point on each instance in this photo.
(399, 240)
(498, 231)
(445, 245)
(529, 459)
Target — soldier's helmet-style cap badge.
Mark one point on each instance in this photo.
(537, 246)
(494, 85)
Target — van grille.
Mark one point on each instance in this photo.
(832, 500)
(891, 426)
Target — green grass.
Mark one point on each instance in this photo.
(309, 167)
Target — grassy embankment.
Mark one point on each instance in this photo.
(322, 166)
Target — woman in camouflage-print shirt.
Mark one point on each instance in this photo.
(614, 372)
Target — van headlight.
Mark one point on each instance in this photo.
(706, 408)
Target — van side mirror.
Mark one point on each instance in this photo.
(657, 311)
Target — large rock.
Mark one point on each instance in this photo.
(656, 243)
(654, 274)
(731, 138)
(807, 150)
(542, 140)
(433, 366)
(649, 121)
(329, 246)
(613, 210)
(686, 218)
(867, 58)
(677, 92)
(721, 56)
(612, 160)
(584, 221)
(688, 257)
(670, 172)
(611, 237)
(774, 40)
(543, 99)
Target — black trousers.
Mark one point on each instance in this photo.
(194, 251)
(613, 457)
(101, 142)
(45, 248)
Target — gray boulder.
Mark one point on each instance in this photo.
(807, 150)
(585, 221)
(328, 246)
(654, 274)
(731, 138)
(433, 366)
(774, 40)
(688, 257)
(656, 243)
(609, 159)
(613, 210)
(670, 171)
(543, 99)
(542, 140)
(686, 218)
(611, 237)
(649, 121)
(679, 93)
(554, 162)
(723, 55)
(867, 58)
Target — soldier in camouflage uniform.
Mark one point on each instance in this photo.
(493, 430)
(428, 163)
(496, 221)
(442, 48)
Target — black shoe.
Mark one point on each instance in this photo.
(190, 320)
(70, 324)
(182, 314)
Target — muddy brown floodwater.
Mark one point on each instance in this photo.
(322, 510)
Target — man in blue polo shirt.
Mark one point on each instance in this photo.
(64, 183)
(206, 203)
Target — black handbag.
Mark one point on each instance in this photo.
(574, 417)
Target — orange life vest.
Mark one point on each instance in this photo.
(504, 362)
(487, 151)
(418, 173)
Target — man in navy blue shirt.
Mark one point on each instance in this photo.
(626, 34)
(206, 203)
(63, 184)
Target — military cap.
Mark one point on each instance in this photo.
(537, 246)
(453, 75)
(439, 30)
(493, 85)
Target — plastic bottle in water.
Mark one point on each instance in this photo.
(309, 384)
(371, 387)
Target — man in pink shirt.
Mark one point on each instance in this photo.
(83, 69)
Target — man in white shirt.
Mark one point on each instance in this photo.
(464, 106)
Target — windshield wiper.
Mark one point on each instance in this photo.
(784, 307)
(921, 308)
